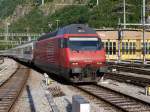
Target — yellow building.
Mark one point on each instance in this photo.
(131, 44)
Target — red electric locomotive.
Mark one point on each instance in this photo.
(74, 52)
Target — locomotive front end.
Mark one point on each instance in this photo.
(87, 59)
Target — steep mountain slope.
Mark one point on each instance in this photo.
(29, 16)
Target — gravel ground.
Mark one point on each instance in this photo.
(33, 97)
(64, 102)
(1, 61)
(131, 90)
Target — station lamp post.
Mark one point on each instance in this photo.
(57, 21)
(50, 25)
(7, 30)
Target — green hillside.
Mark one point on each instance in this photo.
(106, 14)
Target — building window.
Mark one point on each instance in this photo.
(130, 48)
(149, 48)
(114, 48)
(123, 48)
(127, 50)
(146, 48)
(110, 48)
(134, 47)
(107, 47)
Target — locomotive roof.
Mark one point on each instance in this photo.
(70, 29)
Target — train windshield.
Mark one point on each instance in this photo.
(84, 43)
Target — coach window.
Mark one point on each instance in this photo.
(114, 48)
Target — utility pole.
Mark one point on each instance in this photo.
(124, 13)
(144, 60)
(97, 2)
(119, 40)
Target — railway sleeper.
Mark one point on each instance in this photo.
(126, 103)
(109, 98)
(120, 101)
(135, 109)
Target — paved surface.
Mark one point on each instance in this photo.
(128, 89)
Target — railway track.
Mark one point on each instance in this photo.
(132, 69)
(130, 64)
(119, 100)
(127, 78)
(125, 73)
(11, 88)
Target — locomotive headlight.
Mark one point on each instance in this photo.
(99, 63)
(74, 63)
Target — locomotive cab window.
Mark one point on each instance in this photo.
(84, 43)
(63, 43)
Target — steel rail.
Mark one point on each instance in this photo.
(120, 101)
(11, 88)
(122, 77)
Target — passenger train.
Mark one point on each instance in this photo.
(74, 52)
